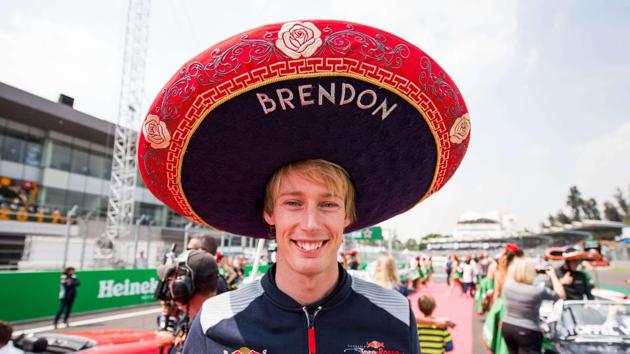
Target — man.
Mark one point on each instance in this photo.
(300, 132)
(576, 283)
(191, 283)
(6, 345)
(209, 244)
(307, 286)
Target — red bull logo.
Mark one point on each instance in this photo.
(375, 344)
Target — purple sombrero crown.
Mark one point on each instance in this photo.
(344, 92)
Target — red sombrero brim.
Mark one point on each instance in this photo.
(344, 92)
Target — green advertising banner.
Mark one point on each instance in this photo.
(35, 295)
(369, 233)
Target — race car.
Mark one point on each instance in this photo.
(106, 341)
(588, 327)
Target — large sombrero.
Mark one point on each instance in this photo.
(344, 92)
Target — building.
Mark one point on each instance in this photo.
(484, 226)
(53, 157)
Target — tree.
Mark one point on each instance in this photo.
(563, 218)
(552, 220)
(590, 209)
(611, 212)
(411, 244)
(575, 202)
(623, 204)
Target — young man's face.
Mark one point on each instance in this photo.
(309, 221)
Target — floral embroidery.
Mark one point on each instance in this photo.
(460, 130)
(299, 39)
(155, 132)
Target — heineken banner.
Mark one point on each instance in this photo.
(370, 233)
(32, 295)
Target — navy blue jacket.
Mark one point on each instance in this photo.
(357, 317)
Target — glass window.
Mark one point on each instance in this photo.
(33, 155)
(107, 168)
(99, 166)
(13, 148)
(74, 198)
(55, 198)
(60, 158)
(92, 202)
(79, 161)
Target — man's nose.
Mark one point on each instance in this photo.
(310, 219)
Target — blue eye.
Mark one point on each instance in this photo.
(293, 203)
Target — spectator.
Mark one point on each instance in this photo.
(468, 277)
(6, 345)
(521, 327)
(432, 340)
(67, 294)
(575, 283)
(210, 245)
(142, 260)
(386, 275)
(449, 269)
(203, 242)
(510, 252)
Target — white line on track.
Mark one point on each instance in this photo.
(93, 320)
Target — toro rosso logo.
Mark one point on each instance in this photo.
(372, 347)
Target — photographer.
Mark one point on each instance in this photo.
(521, 327)
(191, 281)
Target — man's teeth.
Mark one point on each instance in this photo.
(309, 246)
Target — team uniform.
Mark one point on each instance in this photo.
(357, 316)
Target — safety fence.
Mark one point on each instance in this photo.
(35, 295)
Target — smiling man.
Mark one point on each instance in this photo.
(384, 130)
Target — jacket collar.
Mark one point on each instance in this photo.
(284, 301)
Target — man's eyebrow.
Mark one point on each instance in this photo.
(298, 193)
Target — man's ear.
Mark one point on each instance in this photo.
(268, 219)
(346, 222)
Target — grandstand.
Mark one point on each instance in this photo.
(53, 157)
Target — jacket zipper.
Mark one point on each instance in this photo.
(310, 320)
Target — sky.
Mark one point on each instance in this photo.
(547, 83)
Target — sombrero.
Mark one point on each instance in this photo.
(351, 94)
(574, 254)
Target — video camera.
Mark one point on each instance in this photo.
(165, 273)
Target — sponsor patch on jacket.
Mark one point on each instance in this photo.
(245, 350)
(371, 347)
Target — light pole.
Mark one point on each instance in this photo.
(135, 247)
(151, 222)
(85, 219)
(186, 231)
(69, 216)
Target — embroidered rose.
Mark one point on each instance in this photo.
(460, 130)
(155, 132)
(298, 39)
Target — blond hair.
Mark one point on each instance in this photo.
(331, 175)
(426, 303)
(522, 270)
(385, 273)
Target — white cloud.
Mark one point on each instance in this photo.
(603, 164)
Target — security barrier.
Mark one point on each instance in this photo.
(35, 295)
